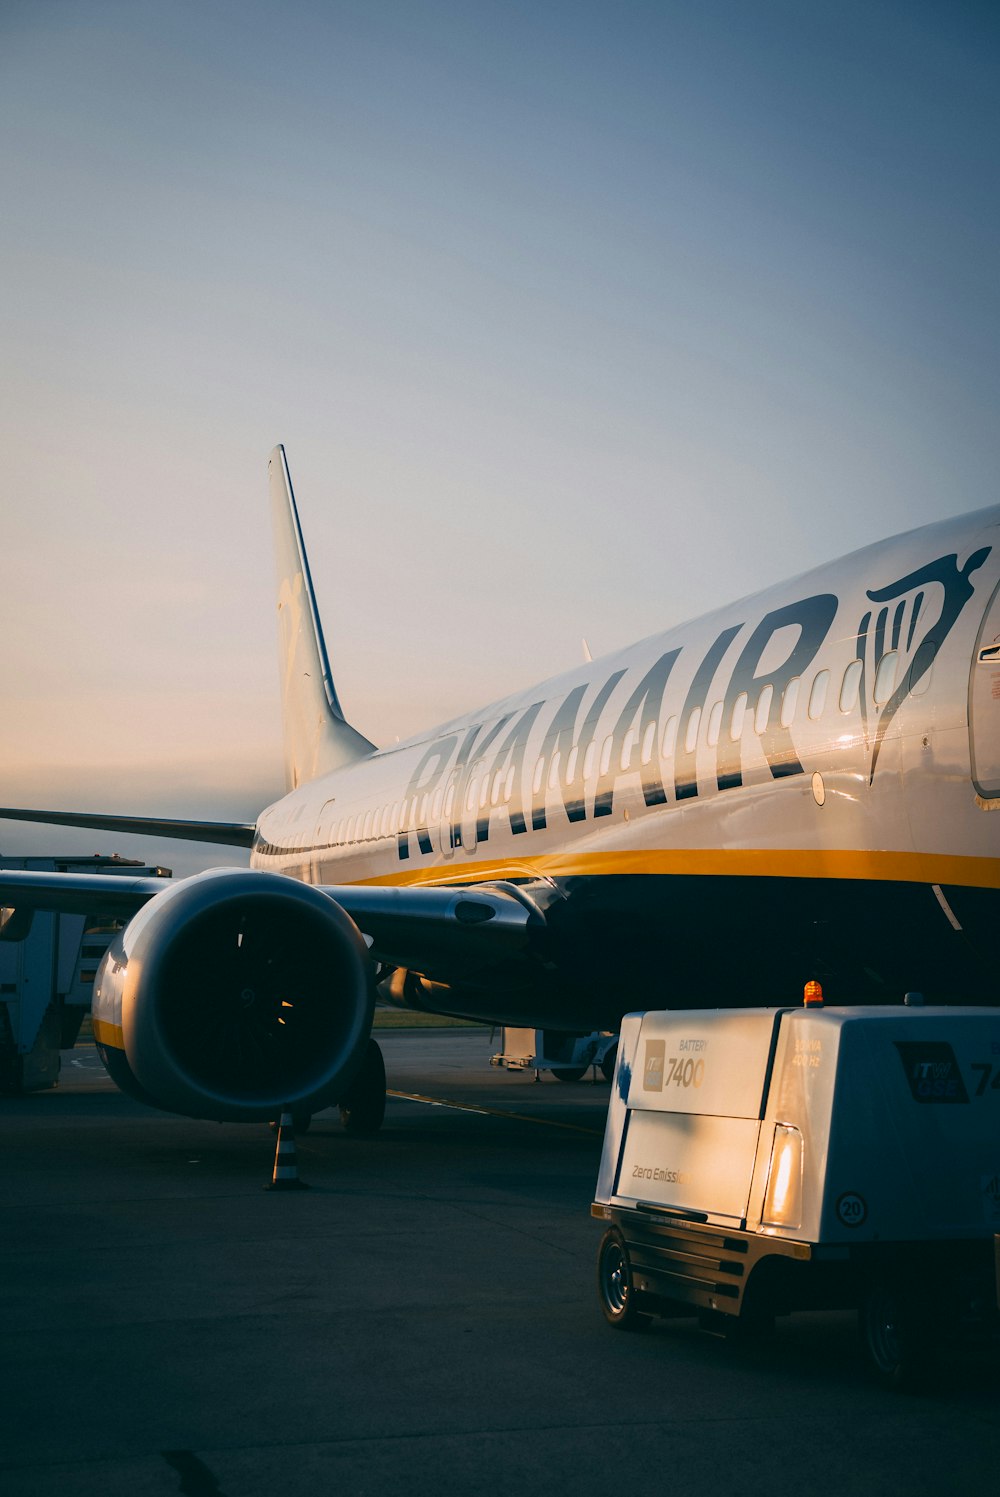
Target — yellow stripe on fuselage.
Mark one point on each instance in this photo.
(108, 1034)
(877, 867)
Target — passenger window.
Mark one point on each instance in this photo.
(606, 748)
(817, 697)
(789, 702)
(436, 805)
(536, 782)
(368, 826)
(350, 829)
(449, 802)
(508, 789)
(714, 724)
(588, 759)
(885, 676)
(648, 741)
(739, 716)
(850, 687)
(691, 736)
(920, 684)
(495, 792)
(763, 712)
(669, 737)
(627, 745)
(554, 772)
(484, 790)
(470, 799)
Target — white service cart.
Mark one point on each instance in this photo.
(567, 1056)
(760, 1161)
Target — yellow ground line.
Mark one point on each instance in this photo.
(493, 1112)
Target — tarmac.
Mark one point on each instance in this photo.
(423, 1319)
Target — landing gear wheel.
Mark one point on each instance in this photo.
(614, 1285)
(899, 1339)
(608, 1063)
(569, 1073)
(363, 1108)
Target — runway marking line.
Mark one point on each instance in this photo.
(492, 1112)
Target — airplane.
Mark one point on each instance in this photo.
(800, 785)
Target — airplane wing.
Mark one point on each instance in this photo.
(406, 926)
(112, 894)
(223, 833)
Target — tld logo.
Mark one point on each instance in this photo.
(932, 1071)
(653, 1069)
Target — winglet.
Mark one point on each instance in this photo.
(318, 737)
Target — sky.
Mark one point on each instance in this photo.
(575, 320)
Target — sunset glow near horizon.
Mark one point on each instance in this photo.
(575, 320)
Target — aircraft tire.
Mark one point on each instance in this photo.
(569, 1073)
(363, 1109)
(608, 1063)
(614, 1285)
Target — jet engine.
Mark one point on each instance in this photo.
(233, 994)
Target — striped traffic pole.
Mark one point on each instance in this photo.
(286, 1170)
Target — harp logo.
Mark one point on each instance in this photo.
(906, 633)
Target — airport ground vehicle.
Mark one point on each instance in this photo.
(567, 1056)
(48, 962)
(761, 1161)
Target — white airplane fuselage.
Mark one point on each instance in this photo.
(805, 782)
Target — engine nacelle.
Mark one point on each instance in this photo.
(232, 994)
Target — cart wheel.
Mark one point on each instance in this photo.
(608, 1063)
(614, 1285)
(569, 1073)
(900, 1340)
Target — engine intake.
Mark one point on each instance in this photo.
(234, 993)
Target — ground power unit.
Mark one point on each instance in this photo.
(761, 1161)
